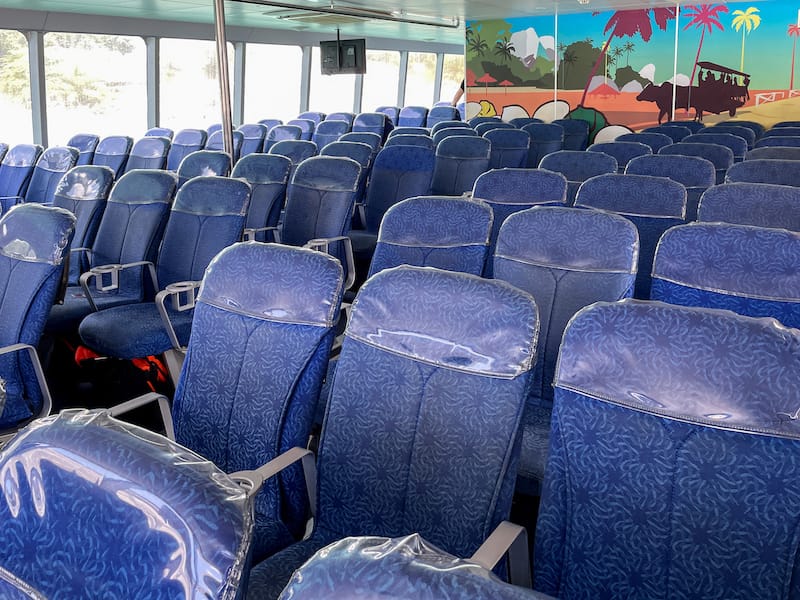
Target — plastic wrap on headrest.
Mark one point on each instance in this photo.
(275, 283)
(448, 319)
(35, 233)
(438, 221)
(87, 182)
(213, 196)
(570, 238)
(634, 195)
(144, 186)
(330, 173)
(22, 155)
(57, 158)
(396, 569)
(698, 365)
(263, 168)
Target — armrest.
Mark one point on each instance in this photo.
(322, 244)
(507, 538)
(9, 201)
(183, 298)
(362, 213)
(249, 234)
(47, 400)
(253, 480)
(163, 406)
(99, 272)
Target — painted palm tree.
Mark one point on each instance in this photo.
(746, 21)
(794, 32)
(504, 49)
(568, 60)
(477, 45)
(627, 23)
(628, 48)
(704, 17)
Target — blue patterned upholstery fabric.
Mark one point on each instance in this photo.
(3, 150)
(720, 156)
(693, 126)
(753, 271)
(434, 231)
(578, 166)
(748, 135)
(779, 172)
(253, 135)
(160, 132)
(511, 190)
(788, 141)
(622, 151)
(759, 204)
(392, 113)
(378, 122)
(410, 139)
(268, 176)
(130, 230)
(482, 128)
(780, 124)
(94, 507)
(207, 216)
(576, 133)
(694, 173)
(33, 242)
(314, 116)
(148, 153)
(441, 113)
(272, 309)
(447, 132)
(216, 142)
(675, 132)
(306, 126)
(15, 173)
(509, 148)
(459, 161)
(113, 151)
(653, 204)
(736, 144)
(373, 140)
(204, 163)
(566, 258)
(359, 152)
(656, 141)
(185, 142)
(329, 131)
(347, 117)
(754, 126)
(774, 153)
(430, 365)
(270, 123)
(449, 125)
(83, 191)
(412, 116)
(85, 144)
(408, 130)
(545, 138)
(520, 122)
(785, 130)
(673, 458)
(475, 121)
(295, 150)
(280, 133)
(51, 166)
(396, 569)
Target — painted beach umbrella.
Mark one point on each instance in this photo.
(486, 79)
(505, 83)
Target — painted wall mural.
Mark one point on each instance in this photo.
(618, 70)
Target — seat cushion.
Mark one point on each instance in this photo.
(363, 241)
(66, 317)
(133, 331)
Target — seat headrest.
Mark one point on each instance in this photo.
(144, 186)
(22, 155)
(464, 147)
(698, 365)
(437, 221)
(263, 168)
(520, 186)
(57, 158)
(449, 320)
(86, 182)
(329, 173)
(634, 195)
(272, 282)
(213, 196)
(691, 171)
(35, 233)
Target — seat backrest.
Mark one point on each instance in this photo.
(377, 122)
(694, 173)
(475, 121)
(329, 131)
(153, 519)
(412, 116)
(280, 133)
(392, 113)
(774, 152)
(33, 242)
(663, 401)
(216, 142)
(693, 126)
(576, 133)
(306, 126)
(253, 305)
(83, 191)
(656, 141)
(754, 271)
(208, 215)
(511, 190)
(3, 150)
(720, 156)
(85, 144)
(779, 172)
(566, 258)
(399, 172)
(203, 163)
(314, 116)
(342, 116)
(270, 123)
(482, 128)
(780, 124)
(759, 204)
(186, 141)
(409, 130)
(509, 147)
(433, 363)
(755, 127)
(113, 151)
(361, 153)
(459, 161)
(160, 132)
(578, 166)
(268, 176)
(654, 204)
(737, 144)
(434, 231)
(295, 150)
(789, 141)
(747, 134)
(441, 113)
(373, 140)
(786, 130)
(448, 124)
(623, 152)
(213, 128)
(447, 132)
(16, 170)
(519, 122)
(410, 139)
(675, 132)
(253, 135)
(49, 169)
(545, 138)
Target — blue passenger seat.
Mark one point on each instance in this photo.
(268, 176)
(694, 173)
(85, 144)
(16, 170)
(759, 204)
(186, 141)
(578, 166)
(50, 167)
(113, 151)
(203, 163)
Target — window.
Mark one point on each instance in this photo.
(272, 82)
(381, 79)
(189, 85)
(419, 79)
(452, 75)
(95, 84)
(15, 89)
(330, 93)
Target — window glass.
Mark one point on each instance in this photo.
(452, 75)
(381, 79)
(272, 82)
(94, 84)
(330, 93)
(419, 79)
(15, 90)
